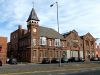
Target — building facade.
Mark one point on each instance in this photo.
(98, 47)
(37, 42)
(3, 49)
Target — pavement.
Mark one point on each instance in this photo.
(30, 68)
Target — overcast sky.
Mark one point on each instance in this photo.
(81, 15)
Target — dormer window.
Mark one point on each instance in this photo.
(43, 41)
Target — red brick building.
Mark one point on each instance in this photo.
(98, 51)
(3, 49)
(89, 46)
(98, 47)
(37, 42)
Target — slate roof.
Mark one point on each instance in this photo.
(49, 33)
(33, 16)
(68, 33)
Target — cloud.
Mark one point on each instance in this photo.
(81, 15)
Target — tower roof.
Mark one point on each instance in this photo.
(33, 16)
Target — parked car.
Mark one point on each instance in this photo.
(7, 61)
(75, 59)
(45, 61)
(71, 59)
(81, 59)
(94, 59)
(12, 61)
(64, 60)
(55, 60)
(0, 63)
(98, 58)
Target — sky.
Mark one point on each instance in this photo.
(81, 15)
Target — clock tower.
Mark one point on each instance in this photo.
(33, 26)
(32, 21)
(33, 32)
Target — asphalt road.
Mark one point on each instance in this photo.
(84, 72)
(46, 69)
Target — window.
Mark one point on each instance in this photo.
(43, 41)
(51, 54)
(28, 41)
(57, 54)
(50, 43)
(41, 54)
(81, 45)
(68, 44)
(87, 43)
(34, 42)
(45, 54)
(14, 36)
(63, 45)
(57, 42)
(0, 47)
(91, 43)
(32, 21)
(34, 53)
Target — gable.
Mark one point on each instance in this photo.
(73, 35)
(88, 36)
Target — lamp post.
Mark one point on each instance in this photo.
(57, 13)
(58, 29)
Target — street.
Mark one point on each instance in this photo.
(82, 72)
(76, 68)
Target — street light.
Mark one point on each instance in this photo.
(58, 28)
(57, 13)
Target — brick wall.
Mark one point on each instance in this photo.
(3, 52)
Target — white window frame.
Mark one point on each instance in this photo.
(43, 41)
(57, 43)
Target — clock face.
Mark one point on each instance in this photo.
(34, 29)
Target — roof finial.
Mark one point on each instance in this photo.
(33, 4)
